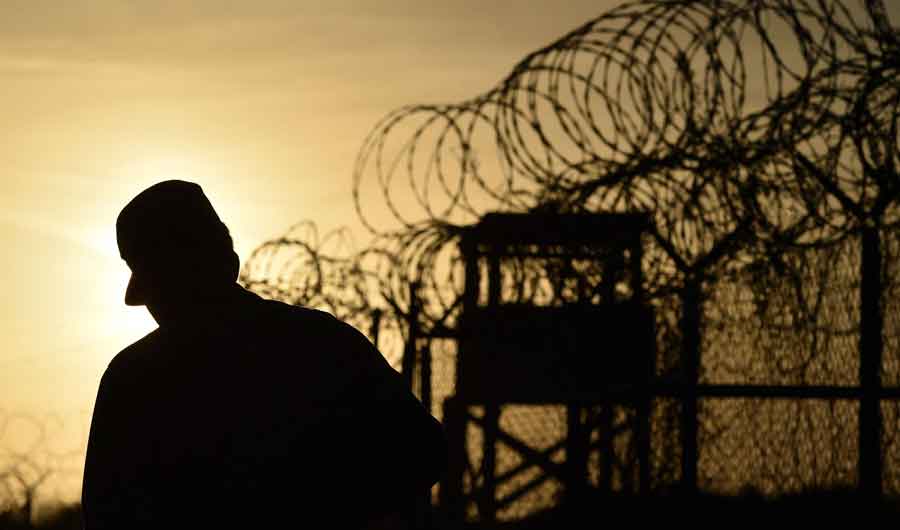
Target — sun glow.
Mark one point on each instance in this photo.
(128, 323)
(120, 324)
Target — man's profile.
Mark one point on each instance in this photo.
(239, 412)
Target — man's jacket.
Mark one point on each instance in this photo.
(255, 414)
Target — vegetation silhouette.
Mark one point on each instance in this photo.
(60, 518)
(239, 412)
(34, 468)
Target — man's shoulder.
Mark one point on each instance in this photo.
(331, 354)
(321, 334)
(137, 354)
(307, 321)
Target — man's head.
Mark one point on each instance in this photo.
(175, 244)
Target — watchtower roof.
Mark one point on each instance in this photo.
(557, 229)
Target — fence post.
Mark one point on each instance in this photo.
(375, 327)
(870, 351)
(408, 363)
(690, 352)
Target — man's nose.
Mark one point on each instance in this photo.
(134, 293)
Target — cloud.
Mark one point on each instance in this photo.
(40, 35)
(44, 226)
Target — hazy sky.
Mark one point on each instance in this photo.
(264, 103)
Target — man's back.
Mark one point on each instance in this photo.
(257, 413)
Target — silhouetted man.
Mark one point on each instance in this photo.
(238, 412)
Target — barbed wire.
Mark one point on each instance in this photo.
(759, 136)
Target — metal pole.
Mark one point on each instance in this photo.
(408, 363)
(690, 336)
(870, 351)
(376, 326)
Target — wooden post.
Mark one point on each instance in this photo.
(487, 503)
(577, 441)
(607, 447)
(452, 501)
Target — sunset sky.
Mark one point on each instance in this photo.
(264, 103)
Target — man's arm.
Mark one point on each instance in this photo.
(115, 493)
(405, 444)
(418, 437)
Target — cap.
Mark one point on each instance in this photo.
(167, 222)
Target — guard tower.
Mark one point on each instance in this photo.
(552, 316)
